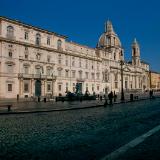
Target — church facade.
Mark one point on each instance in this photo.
(37, 62)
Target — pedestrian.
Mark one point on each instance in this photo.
(114, 96)
(110, 96)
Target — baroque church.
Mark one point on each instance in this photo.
(38, 62)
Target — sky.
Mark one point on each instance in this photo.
(82, 21)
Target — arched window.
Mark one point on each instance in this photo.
(59, 44)
(10, 31)
(38, 39)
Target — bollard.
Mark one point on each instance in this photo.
(62, 99)
(45, 100)
(9, 108)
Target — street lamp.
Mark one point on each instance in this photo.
(121, 64)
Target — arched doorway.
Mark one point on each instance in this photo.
(38, 88)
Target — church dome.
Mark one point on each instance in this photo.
(109, 38)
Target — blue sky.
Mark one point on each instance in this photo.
(83, 21)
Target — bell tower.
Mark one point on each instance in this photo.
(135, 53)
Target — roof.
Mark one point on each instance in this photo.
(30, 26)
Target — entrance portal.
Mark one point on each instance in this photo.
(38, 88)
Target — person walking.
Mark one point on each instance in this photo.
(110, 96)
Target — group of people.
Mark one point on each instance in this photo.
(111, 96)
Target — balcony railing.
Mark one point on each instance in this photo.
(80, 79)
(36, 76)
(10, 36)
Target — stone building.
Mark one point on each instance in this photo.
(37, 62)
(155, 80)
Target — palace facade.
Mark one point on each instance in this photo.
(37, 62)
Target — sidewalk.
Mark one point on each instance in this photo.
(34, 107)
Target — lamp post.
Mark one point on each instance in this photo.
(121, 64)
(122, 91)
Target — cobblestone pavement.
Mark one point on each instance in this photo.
(148, 150)
(75, 135)
(30, 106)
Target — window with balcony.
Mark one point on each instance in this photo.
(10, 32)
(38, 39)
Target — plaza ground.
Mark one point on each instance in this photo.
(80, 134)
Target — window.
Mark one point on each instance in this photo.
(59, 58)
(26, 87)
(26, 69)
(38, 70)
(38, 56)
(48, 40)
(86, 75)
(38, 39)
(73, 74)
(80, 74)
(97, 66)
(10, 68)
(86, 63)
(87, 87)
(66, 87)
(10, 87)
(26, 55)
(98, 75)
(48, 87)
(92, 87)
(59, 44)
(73, 61)
(59, 87)
(79, 62)
(74, 89)
(92, 75)
(97, 88)
(10, 54)
(48, 58)
(67, 74)
(66, 60)
(10, 32)
(48, 71)
(116, 84)
(26, 35)
(59, 73)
